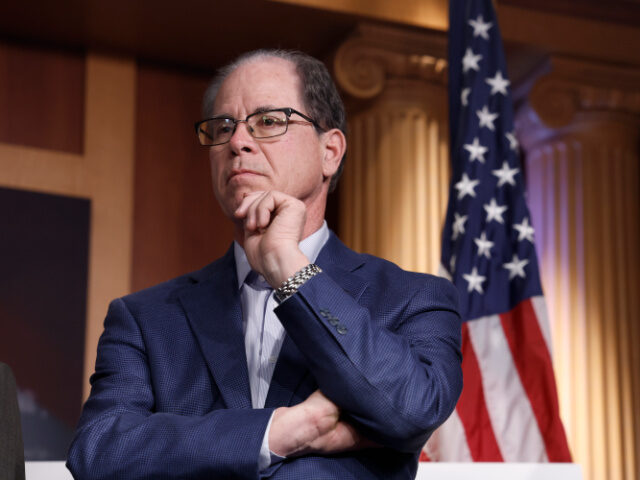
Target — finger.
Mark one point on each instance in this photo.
(264, 211)
(246, 202)
(323, 406)
(340, 438)
(345, 436)
(253, 212)
(247, 209)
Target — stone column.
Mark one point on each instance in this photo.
(580, 130)
(394, 192)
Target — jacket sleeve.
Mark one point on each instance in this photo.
(120, 435)
(395, 371)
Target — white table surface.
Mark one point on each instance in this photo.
(426, 471)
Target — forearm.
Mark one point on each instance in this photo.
(121, 443)
(131, 428)
(395, 386)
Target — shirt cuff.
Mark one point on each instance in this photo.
(267, 457)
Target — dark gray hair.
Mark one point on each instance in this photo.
(319, 92)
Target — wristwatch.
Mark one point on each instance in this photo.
(291, 284)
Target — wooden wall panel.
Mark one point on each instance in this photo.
(42, 98)
(178, 226)
(97, 165)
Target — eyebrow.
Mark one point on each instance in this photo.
(264, 108)
(260, 109)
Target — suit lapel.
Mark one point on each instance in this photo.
(291, 370)
(340, 263)
(214, 312)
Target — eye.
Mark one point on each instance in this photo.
(270, 121)
(222, 126)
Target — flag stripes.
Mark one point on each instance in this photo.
(528, 347)
(472, 407)
(512, 418)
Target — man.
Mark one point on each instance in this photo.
(292, 356)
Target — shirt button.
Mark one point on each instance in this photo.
(273, 359)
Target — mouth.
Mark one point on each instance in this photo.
(241, 173)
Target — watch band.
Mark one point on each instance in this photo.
(291, 284)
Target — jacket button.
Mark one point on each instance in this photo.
(342, 329)
(333, 321)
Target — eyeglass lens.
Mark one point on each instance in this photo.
(217, 131)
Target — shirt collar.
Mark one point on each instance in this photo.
(310, 246)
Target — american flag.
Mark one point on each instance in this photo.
(508, 410)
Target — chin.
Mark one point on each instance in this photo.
(232, 201)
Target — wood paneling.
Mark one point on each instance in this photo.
(42, 98)
(197, 33)
(178, 226)
(101, 171)
(108, 172)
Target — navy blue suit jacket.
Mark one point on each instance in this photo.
(170, 394)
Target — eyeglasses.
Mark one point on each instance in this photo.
(264, 124)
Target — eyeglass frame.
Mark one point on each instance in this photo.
(288, 111)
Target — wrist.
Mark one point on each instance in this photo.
(286, 435)
(275, 438)
(291, 285)
(280, 266)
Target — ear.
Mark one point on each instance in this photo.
(334, 145)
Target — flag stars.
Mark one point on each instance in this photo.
(458, 225)
(464, 96)
(516, 267)
(513, 141)
(498, 84)
(525, 231)
(470, 61)
(484, 245)
(466, 186)
(487, 118)
(494, 211)
(505, 174)
(476, 151)
(480, 27)
(475, 280)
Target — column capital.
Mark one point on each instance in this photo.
(374, 54)
(568, 95)
(567, 86)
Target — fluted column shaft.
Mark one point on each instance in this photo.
(393, 195)
(583, 181)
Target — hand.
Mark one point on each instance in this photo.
(313, 426)
(273, 226)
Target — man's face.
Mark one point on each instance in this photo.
(291, 163)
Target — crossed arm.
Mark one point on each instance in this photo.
(400, 414)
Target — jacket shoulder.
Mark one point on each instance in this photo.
(168, 291)
(388, 279)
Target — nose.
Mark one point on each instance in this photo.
(241, 139)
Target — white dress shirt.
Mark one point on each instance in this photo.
(263, 332)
